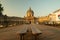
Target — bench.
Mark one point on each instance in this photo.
(35, 32)
(22, 32)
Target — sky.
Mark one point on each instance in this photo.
(19, 7)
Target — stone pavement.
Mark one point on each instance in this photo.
(48, 32)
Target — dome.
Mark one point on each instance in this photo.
(30, 12)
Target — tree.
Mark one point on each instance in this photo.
(1, 9)
(5, 21)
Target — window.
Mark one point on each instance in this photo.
(59, 16)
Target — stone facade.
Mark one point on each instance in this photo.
(29, 16)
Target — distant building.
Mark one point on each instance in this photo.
(53, 18)
(30, 16)
(43, 19)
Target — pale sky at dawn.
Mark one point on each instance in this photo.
(19, 7)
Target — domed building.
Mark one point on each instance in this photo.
(29, 16)
(30, 13)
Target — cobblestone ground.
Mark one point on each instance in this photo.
(48, 32)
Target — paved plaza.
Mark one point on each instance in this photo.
(48, 32)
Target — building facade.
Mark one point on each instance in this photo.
(53, 18)
(29, 18)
